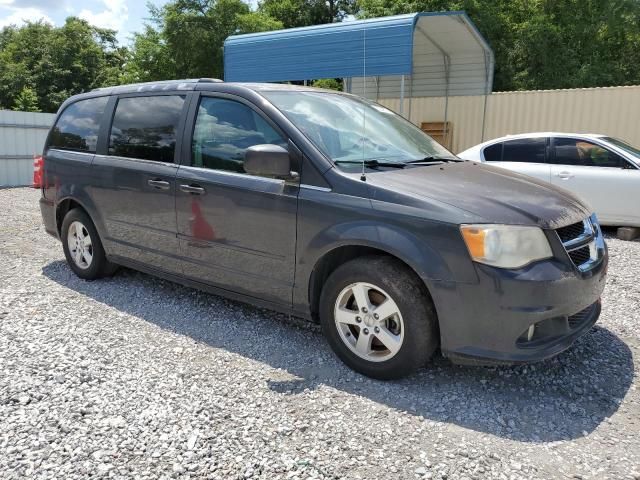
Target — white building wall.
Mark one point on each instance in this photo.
(22, 135)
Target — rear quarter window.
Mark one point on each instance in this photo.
(77, 127)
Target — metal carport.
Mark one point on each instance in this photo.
(413, 55)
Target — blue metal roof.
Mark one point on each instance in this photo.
(442, 54)
(336, 50)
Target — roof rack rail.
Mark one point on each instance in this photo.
(148, 85)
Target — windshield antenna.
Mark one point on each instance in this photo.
(363, 176)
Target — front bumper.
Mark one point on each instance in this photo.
(490, 322)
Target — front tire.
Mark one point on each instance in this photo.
(82, 246)
(378, 317)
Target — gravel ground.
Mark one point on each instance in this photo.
(134, 377)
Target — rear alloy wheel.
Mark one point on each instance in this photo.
(82, 246)
(378, 317)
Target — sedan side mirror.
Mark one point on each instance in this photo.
(267, 160)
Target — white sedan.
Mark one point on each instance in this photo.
(602, 170)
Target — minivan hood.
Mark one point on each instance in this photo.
(494, 194)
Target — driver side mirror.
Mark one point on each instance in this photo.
(268, 161)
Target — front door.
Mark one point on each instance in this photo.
(135, 180)
(605, 180)
(236, 231)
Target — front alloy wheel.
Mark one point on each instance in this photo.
(369, 322)
(378, 317)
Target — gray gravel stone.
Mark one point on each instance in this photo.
(135, 377)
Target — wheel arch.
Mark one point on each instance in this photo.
(63, 207)
(416, 261)
(68, 202)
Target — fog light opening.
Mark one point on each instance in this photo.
(530, 332)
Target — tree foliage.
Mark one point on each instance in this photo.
(26, 101)
(301, 13)
(539, 44)
(42, 65)
(546, 44)
(186, 38)
(328, 83)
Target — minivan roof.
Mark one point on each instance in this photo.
(190, 84)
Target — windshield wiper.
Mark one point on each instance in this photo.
(433, 160)
(373, 163)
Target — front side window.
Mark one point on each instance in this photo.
(572, 151)
(224, 130)
(349, 129)
(146, 127)
(529, 150)
(78, 126)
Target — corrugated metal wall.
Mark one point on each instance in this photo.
(612, 111)
(22, 135)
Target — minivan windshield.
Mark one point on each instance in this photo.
(349, 129)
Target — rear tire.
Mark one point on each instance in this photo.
(394, 332)
(82, 247)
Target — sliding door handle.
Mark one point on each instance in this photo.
(159, 184)
(193, 189)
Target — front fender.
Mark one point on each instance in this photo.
(415, 252)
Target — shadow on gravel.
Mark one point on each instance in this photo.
(563, 398)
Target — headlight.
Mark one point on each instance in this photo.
(506, 246)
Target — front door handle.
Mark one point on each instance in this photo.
(159, 184)
(192, 189)
(564, 175)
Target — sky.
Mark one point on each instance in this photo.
(125, 16)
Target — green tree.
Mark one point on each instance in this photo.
(186, 38)
(328, 83)
(301, 13)
(546, 44)
(26, 101)
(57, 62)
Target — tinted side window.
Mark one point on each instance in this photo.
(493, 153)
(224, 130)
(78, 126)
(531, 150)
(146, 127)
(572, 151)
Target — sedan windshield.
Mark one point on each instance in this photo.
(350, 130)
(624, 146)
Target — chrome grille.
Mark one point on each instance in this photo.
(579, 240)
(580, 255)
(570, 232)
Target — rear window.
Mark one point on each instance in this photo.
(493, 153)
(530, 150)
(78, 125)
(146, 127)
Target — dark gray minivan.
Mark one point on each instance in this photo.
(325, 206)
